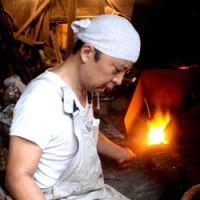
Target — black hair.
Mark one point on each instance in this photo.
(78, 46)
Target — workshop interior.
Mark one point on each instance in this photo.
(156, 109)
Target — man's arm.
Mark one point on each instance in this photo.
(23, 159)
(108, 148)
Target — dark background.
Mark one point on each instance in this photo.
(169, 32)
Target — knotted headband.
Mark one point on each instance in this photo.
(110, 34)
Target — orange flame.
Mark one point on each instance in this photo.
(157, 126)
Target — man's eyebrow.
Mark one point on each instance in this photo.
(126, 65)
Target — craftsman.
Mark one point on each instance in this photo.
(54, 136)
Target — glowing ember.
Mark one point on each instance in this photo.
(156, 133)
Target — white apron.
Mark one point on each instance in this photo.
(83, 179)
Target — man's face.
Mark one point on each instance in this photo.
(104, 73)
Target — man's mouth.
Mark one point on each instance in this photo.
(100, 89)
(106, 88)
(110, 86)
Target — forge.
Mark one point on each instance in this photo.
(167, 100)
(162, 128)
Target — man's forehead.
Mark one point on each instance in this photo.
(125, 65)
(120, 62)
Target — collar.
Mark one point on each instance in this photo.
(69, 102)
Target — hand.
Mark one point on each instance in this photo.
(127, 156)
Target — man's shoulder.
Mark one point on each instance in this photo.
(42, 87)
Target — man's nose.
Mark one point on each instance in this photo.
(119, 78)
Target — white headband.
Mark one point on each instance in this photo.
(110, 34)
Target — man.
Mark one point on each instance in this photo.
(54, 136)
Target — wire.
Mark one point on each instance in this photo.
(147, 106)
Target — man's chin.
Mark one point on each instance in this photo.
(103, 89)
(108, 89)
(100, 90)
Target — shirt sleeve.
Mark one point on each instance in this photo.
(33, 116)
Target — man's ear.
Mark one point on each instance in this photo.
(86, 52)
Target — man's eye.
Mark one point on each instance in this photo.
(127, 70)
(116, 71)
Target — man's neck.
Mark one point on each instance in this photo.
(68, 71)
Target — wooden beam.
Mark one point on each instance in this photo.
(31, 18)
(71, 17)
(56, 47)
(101, 7)
(26, 40)
(38, 26)
(28, 29)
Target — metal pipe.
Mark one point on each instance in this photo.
(191, 192)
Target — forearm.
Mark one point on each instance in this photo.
(23, 187)
(112, 150)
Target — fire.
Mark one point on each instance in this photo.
(157, 126)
